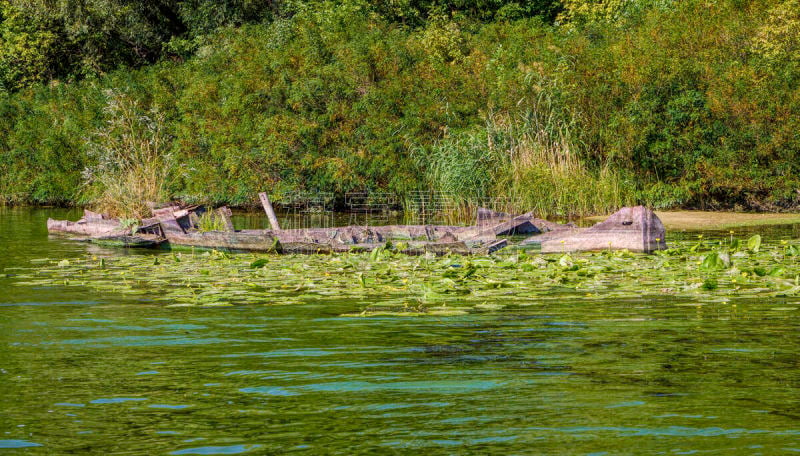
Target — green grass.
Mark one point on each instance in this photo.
(211, 221)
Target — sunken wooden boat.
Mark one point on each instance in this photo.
(174, 226)
(409, 239)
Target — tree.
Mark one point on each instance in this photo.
(27, 49)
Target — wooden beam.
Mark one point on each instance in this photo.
(273, 220)
(225, 213)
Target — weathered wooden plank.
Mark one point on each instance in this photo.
(637, 229)
(85, 228)
(256, 241)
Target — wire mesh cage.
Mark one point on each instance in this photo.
(308, 210)
(431, 207)
(369, 208)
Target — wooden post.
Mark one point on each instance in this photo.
(273, 220)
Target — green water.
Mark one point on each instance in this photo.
(89, 369)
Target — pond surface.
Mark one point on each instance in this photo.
(97, 363)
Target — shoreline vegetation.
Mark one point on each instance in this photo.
(567, 108)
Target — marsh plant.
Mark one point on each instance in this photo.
(547, 173)
(130, 161)
(211, 221)
(534, 159)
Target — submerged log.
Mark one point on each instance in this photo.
(637, 229)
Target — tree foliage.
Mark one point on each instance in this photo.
(46, 39)
(670, 104)
(778, 38)
(68, 39)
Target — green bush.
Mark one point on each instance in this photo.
(669, 104)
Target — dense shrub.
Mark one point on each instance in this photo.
(666, 103)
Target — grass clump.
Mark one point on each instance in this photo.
(548, 174)
(531, 162)
(211, 221)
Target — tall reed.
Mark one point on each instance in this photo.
(131, 164)
(547, 174)
(531, 161)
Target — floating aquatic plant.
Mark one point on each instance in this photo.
(385, 282)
